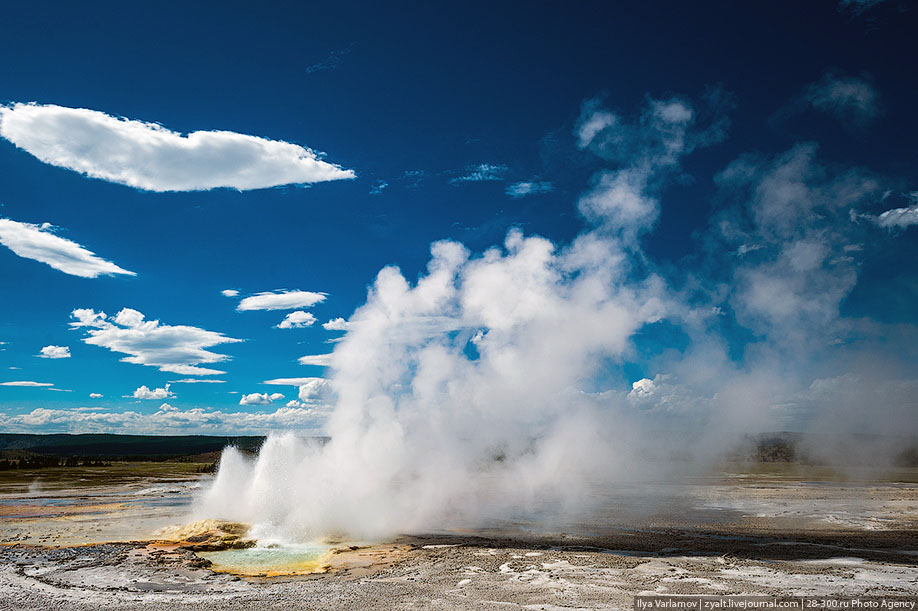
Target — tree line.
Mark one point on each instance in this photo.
(44, 462)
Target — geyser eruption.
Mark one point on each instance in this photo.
(457, 398)
(480, 392)
(460, 398)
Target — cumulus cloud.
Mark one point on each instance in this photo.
(664, 395)
(899, 218)
(39, 242)
(847, 98)
(27, 383)
(316, 390)
(642, 387)
(528, 187)
(482, 172)
(310, 391)
(197, 381)
(297, 320)
(156, 393)
(178, 349)
(335, 324)
(322, 360)
(281, 300)
(260, 398)
(150, 157)
(167, 419)
(95, 395)
(229, 292)
(55, 352)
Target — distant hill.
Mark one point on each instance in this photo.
(126, 446)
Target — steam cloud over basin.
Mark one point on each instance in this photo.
(455, 397)
(483, 391)
(455, 400)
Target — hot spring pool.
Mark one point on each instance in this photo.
(282, 559)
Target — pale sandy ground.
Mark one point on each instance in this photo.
(775, 534)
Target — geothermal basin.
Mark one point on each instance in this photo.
(124, 537)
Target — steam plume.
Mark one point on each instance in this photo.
(482, 390)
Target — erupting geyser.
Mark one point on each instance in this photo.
(460, 398)
(482, 391)
(455, 399)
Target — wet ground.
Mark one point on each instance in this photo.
(79, 505)
(83, 540)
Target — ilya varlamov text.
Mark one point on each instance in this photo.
(714, 603)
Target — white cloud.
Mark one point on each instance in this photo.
(290, 381)
(642, 387)
(27, 383)
(197, 381)
(38, 242)
(260, 398)
(150, 157)
(156, 393)
(847, 98)
(899, 218)
(321, 360)
(529, 187)
(310, 391)
(229, 292)
(177, 349)
(167, 419)
(316, 390)
(280, 300)
(663, 394)
(95, 395)
(378, 187)
(55, 352)
(481, 173)
(336, 324)
(297, 320)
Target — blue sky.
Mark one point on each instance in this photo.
(757, 160)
